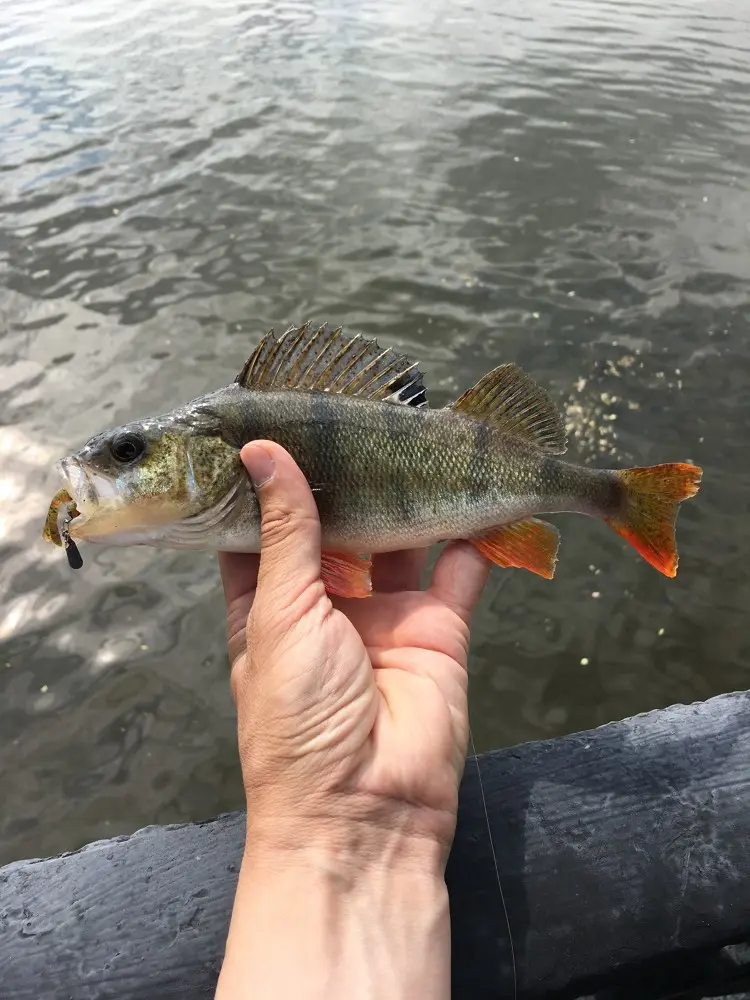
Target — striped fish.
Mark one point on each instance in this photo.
(387, 471)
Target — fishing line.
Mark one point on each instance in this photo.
(492, 844)
(497, 869)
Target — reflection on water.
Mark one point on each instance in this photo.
(560, 184)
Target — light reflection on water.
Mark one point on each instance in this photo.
(560, 184)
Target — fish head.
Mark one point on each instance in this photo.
(132, 483)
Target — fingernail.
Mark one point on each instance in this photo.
(259, 464)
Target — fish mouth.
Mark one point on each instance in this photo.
(76, 482)
(85, 487)
(91, 493)
(104, 510)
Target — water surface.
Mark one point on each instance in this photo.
(561, 184)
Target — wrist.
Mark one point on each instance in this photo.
(381, 932)
(352, 837)
(339, 877)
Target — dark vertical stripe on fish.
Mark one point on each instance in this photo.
(401, 434)
(477, 469)
(323, 448)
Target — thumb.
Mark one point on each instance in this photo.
(289, 526)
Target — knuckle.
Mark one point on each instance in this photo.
(237, 646)
(279, 522)
(236, 638)
(310, 605)
(236, 678)
(255, 629)
(285, 615)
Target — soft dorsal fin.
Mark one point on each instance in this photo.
(326, 360)
(510, 400)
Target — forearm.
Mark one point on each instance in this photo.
(323, 925)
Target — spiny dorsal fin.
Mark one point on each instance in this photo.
(326, 360)
(510, 400)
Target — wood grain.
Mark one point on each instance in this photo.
(623, 853)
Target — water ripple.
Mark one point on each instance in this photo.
(563, 183)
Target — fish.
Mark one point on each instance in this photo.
(387, 470)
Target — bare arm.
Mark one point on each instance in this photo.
(352, 724)
(326, 924)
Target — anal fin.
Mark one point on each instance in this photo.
(346, 575)
(530, 544)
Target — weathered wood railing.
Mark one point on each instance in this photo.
(623, 854)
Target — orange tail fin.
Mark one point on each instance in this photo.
(652, 497)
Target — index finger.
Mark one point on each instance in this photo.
(459, 577)
(239, 574)
(394, 571)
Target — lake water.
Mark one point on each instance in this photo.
(560, 183)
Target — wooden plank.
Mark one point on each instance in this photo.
(623, 853)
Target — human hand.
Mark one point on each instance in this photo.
(352, 714)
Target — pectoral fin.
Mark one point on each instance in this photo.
(346, 575)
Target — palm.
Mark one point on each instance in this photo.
(373, 696)
(417, 648)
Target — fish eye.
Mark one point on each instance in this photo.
(127, 447)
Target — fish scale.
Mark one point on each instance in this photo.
(387, 471)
